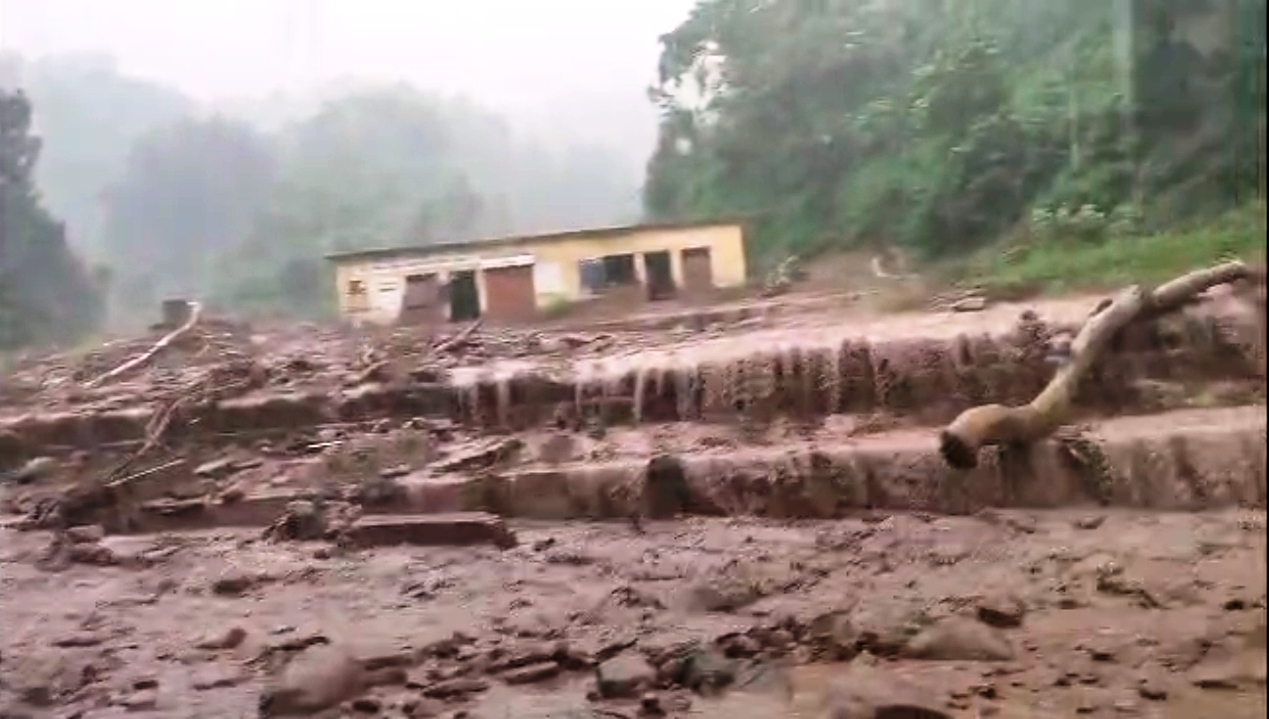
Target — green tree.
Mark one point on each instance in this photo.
(931, 123)
(45, 293)
(89, 114)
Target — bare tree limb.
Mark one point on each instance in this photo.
(458, 339)
(996, 424)
(196, 311)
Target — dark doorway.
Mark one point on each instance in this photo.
(619, 270)
(421, 302)
(698, 275)
(660, 277)
(464, 298)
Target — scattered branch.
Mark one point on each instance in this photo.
(196, 311)
(458, 339)
(996, 424)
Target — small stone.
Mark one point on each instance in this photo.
(219, 677)
(455, 687)
(742, 645)
(366, 705)
(834, 634)
(233, 585)
(1152, 690)
(1090, 522)
(707, 670)
(232, 494)
(864, 693)
(80, 639)
(143, 700)
(624, 676)
(86, 534)
(34, 470)
(423, 708)
(650, 705)
(1001, 611)
(531, 673)
(228, 639)
(92, 554)
(958, 639)
(318, 678)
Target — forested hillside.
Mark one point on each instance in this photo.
(177, 199)
(944, 125)
(45, 293)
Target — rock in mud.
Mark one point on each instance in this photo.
(624, 676)
(531, 673)
(481, 456)
(960, 639)
(33, 471)
(456, 687)
(86, 534)
(834, 636)
(866, 693)
(459, 528)
(665, 489)
(707, 670)
(885, 629)
(380, 491)
(317, 678)
(303, 520)
(234, 584)
(1003, 611)
(722, 594)
(228, 639)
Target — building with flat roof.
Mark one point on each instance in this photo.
(513, 279)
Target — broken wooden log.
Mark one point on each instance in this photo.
(994, 424)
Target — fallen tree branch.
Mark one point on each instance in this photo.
(996, 424)
(458, 339)
(195, 312)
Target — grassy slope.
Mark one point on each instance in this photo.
(1151, 259)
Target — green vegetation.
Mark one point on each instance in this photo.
(45, 293)
(1075, 263)
(942, 126)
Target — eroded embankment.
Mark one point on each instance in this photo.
(1188, 460)
(926, 381)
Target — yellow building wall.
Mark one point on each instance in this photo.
(725, 242)
(557, 274)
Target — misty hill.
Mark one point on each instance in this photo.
(238, 201)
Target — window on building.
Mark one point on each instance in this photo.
(356, 287)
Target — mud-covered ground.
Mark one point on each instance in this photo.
(887, 612)
(1081, 612)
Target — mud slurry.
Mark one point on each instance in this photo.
(734, 522)
(1058, 614)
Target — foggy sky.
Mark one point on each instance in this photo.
(507, 53)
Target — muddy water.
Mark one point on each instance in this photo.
(1082, 576)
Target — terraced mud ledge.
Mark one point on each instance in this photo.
(742, 523)
(927, 381)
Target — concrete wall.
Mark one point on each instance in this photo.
(555, 265)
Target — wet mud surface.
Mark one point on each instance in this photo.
(737, 512)
(1064, 613)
